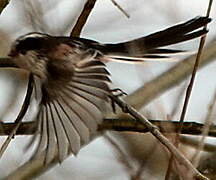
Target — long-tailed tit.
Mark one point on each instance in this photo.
(74, 82)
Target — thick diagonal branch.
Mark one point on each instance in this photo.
(170, 78)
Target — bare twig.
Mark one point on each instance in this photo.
(120, 8)
(193, 76)
(178, 101)
(76, 31)
(190, 87)
(173, 112)
(155, 131)
(127, 124)
(208, 122)
(20, 115)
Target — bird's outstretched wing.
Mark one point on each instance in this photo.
(68, 118)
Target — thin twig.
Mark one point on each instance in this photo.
(20, 115)
(193, 76)
(173, 113)
(76, 31)
(155, 131)
(178, 101)
(208, 121)
(189, 88)
(120, 8)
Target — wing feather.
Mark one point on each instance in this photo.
(51, 142)
(92, 77)
(61, 137)
(92, 84)
(85, 114)
(95, 70)
(91, 100)
(43, 133)
(71, 133)
(71, 110)
(91, 91)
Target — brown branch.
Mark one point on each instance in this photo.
(170, 78)
(76, 31)
(20, 116)
(133, 125)
(37, 166)
(7, 63)
(121, 125)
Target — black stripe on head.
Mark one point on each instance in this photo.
(32, 41)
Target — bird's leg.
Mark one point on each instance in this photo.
(115, 93)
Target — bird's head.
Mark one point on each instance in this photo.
(30, 52)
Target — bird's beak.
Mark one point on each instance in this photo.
(8, 62)
(12, 53)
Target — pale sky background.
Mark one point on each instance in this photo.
(106, 24)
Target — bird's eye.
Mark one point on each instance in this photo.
(29, 44)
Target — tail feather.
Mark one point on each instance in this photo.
(134, 59)
(165, 51)
(149, 46)
(175, 34)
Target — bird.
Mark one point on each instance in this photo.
(71, 76)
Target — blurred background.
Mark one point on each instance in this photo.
(114, 156)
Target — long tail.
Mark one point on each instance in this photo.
(148, 47)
